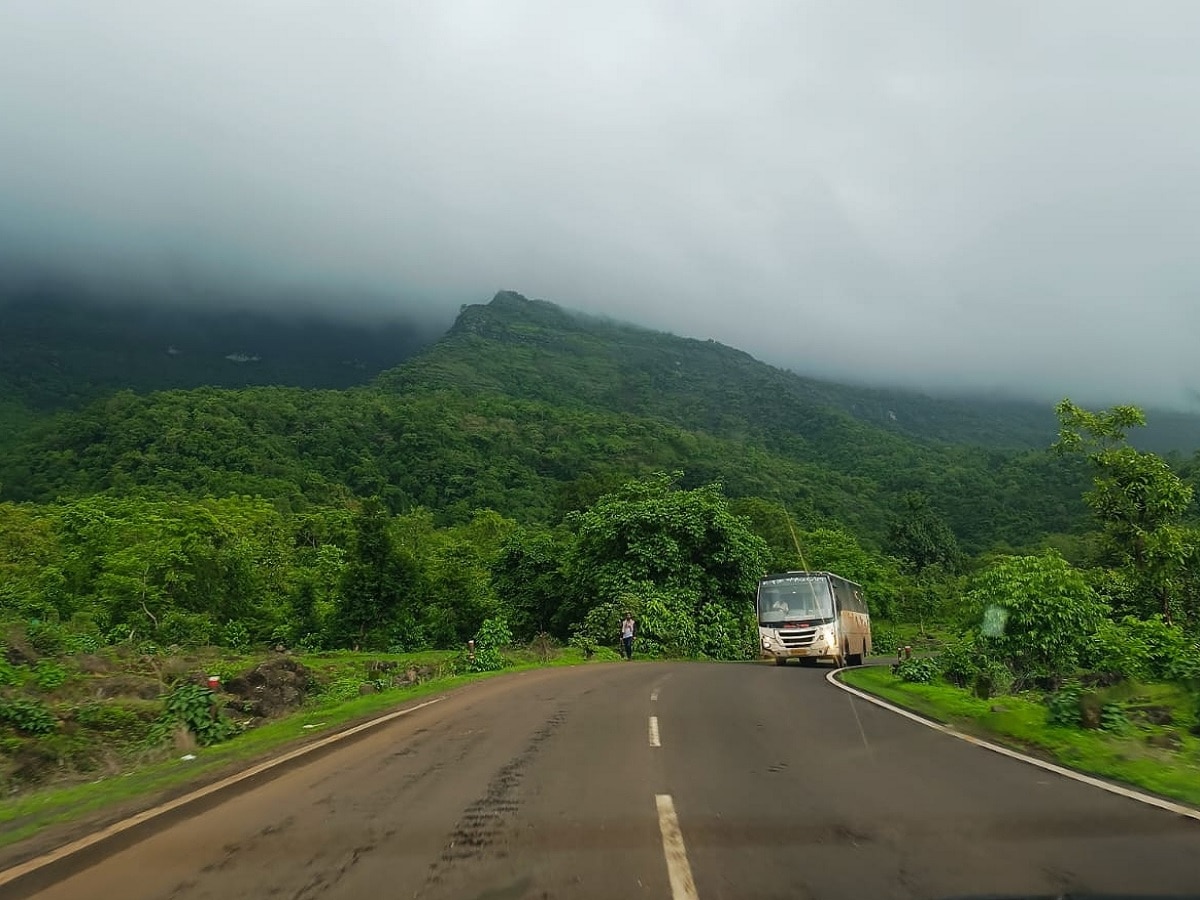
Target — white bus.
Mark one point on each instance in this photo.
(813, 615)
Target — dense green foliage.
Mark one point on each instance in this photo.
(507, 486)
(507, 474)
(59, 351)
(1140, 505)
(530, 411)
(678, 560)
(1093, 642)
(1036, 613)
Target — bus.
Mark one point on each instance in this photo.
(810, 616)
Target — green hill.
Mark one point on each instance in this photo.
(60, 352)
(705, 384)
(530, 410)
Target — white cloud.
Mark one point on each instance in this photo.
(985, 194)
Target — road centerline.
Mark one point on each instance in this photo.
(683, 886)
(654, 738)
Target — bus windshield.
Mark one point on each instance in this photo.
(794, 597)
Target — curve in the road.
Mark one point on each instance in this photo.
(1171, 806)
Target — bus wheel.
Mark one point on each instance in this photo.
(853, 659)
(781, 660)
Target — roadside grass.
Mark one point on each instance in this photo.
(24, 816)
(921, 638)
(1019, 721)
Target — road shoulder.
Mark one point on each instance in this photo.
(877, 686)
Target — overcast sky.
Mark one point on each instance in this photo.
(961, 193)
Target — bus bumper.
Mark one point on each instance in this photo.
(799, 653)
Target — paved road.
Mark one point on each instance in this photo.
(546, 785)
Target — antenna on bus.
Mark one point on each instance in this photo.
(795, 540)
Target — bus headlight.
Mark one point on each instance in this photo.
(766, 642)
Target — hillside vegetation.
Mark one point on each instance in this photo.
(529, 477)
(531, 411)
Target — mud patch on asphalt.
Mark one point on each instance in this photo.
(484, 822)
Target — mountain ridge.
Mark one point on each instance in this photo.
(985, 421)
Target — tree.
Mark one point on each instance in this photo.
(837, 550)
(1137, 499)
(1035, 613)
(376, 583)
(667, 553)
(772, 522)
(921, 537)
(528, 580)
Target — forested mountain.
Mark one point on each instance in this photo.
(487, 475)
(57, 351)
(532, 411)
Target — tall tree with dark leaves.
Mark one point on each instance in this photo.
(1139, 503)
(921, 536)
(376, 583)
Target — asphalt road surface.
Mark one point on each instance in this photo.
(765, 783)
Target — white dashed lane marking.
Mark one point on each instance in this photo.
(654, 739)
(683, 886)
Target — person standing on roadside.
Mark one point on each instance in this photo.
(627, 635)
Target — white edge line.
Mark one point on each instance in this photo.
(654, 738)
(32, 865)
(1129, 793)
(683, 886)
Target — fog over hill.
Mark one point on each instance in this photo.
(948, 197)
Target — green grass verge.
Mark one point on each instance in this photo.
(1019, 721)
(24, 816)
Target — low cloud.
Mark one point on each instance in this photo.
(964, 195)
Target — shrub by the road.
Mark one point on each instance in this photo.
(1036, 615)
(192, 706)
(1062, 706)
(918, 671)
(28, 716)
(493, 636)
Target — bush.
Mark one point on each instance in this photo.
(1037, 614)
(1113, 718)
(959, 661)
(185, 629)
(81, 643)
(917, 671)
(110, 718)
(722, 636)
(192, 706)
(344, 688)
(1142, 649)
(665, 626)
(235, 635)
(883, 639)
(49, 675)
(493, 635)
(1186, 666)
(993, 679)
(45, 637)
(1114, 650)
(29, 716)
(10, 674)
(1063, 706)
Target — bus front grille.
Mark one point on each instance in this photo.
(801, 637)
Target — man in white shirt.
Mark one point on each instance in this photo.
(627, 635)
